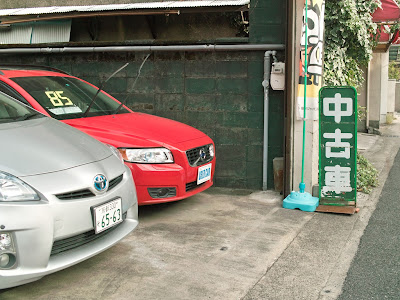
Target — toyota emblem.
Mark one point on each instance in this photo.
(100, 183)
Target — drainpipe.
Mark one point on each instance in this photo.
(266, 84)
(206, 47)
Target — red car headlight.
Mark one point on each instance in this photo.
(147, 155)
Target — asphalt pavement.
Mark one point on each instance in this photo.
(375, 270)
(227, 244)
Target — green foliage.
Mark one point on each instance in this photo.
(367, 175)
(394, 71)
(349, 39)
(350, 36)
(361, 112)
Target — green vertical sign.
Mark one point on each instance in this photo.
(338, 146)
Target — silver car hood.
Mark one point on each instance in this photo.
(45, 145)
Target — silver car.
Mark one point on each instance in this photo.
(64, 196)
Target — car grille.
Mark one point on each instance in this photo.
(86, 193)
(80, 239)
(194, 154)
(114, 182)
(192, 185)
(76, 195)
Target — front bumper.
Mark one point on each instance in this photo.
(35, 226)
(165, 177)
(170, 176)
(180, 175)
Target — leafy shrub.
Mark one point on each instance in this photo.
(367, 175)
(350, 36)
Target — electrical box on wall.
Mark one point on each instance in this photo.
(278, 76)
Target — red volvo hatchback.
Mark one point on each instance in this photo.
(169, 160)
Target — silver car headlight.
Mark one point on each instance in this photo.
(147, 155)
(14, 189)
(116, 152)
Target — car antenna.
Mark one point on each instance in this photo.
(123, 102)
(100, 88)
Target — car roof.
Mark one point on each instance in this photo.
(28, 70)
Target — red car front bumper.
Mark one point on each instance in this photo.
(172, 176)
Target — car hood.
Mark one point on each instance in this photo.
(136, 130)
(45, 145)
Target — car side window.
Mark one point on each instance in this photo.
(6, 89)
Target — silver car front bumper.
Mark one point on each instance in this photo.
(36, 225)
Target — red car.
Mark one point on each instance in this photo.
(169, 160)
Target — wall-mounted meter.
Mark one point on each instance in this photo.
(278, 76)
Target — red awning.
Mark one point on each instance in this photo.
(389, 12)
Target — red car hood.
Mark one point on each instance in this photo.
(136, 130)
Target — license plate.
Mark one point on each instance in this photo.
(204, 174)
(107, 215)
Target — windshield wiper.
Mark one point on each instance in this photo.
(100, 88)
(124, 101)
(27, 116)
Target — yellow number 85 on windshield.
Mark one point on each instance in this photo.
(56, 98)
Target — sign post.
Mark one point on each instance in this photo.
(338, 149)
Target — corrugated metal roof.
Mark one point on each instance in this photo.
(36, 33)
(111, 7)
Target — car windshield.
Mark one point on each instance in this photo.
(11, 110)
(67, 97)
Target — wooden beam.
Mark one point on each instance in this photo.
(348, 210)
(50, 17)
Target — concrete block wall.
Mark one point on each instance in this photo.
(268, 21)
(218, 93)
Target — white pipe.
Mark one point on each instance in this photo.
(247, 47)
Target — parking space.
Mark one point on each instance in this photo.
(215, 245)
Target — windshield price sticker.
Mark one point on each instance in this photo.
(204, 174)
(107, 215)
(65, 110)
(338, 146)
(57, 99)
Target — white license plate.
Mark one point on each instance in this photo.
(107, 215)
(204, 174)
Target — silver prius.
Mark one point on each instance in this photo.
(64, 196)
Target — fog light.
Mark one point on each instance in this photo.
(4, 260)
(164, 192)
(7, 260)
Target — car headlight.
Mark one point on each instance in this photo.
(211, 149)
(116, 152)
(14, 189)
(147, 155)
